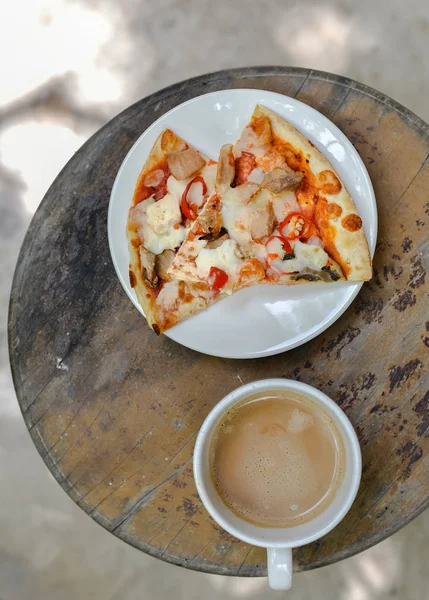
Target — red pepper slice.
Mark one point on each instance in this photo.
(295, 234)
(217, 278)
(286, 246)
(184, 206)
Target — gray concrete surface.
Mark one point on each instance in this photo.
(65, 69)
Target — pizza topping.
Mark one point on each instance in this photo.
(256, 176)
(176, 187)
(334, 210)
(255, 138)
(196, 192)
(330, 182)
(314, 240)
(306, 257)
(333, 275)
(137, 214)
(281, 180)
(244, 165)
(262, 128)
(226, 167)
(153, 184)
(237, 206)
(306, 277)
(213, 244)
(251, 271)
(279, 247)
(226, 258)
(208, 173)
(261, 222)
(159, 224)
(295, 226)
(147, 263)
(210, 222)
(171, 143)
(154, 178)
(352, 222)
(284, 204)
(217, 278)
(163, 262)
(185, 164)
(271, 159)
(164, 214)
(192, 197)
(169, 295)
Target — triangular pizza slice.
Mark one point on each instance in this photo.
(171, 191)
(280, 214)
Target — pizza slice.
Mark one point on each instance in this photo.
(170, 193)
(279, 215)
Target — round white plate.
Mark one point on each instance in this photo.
(260, 320)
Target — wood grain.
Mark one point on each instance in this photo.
(114, 411)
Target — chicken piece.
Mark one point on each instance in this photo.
(185, 164)
(281, 180)
(225, 168)
(262, 222)
(210, 222)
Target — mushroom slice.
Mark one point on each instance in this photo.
(147, 262)
(281, 180)
(163, 262)
(218, 242)
(225, 167)
(307, 277)
(185, 164)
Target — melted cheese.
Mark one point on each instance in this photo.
(176, 187)
(315, 241)
(208, 173)
(259, 251)
(224, 257)
(168, 296)
(248, 142)
(256, 176)
(195, 194)
(164, 214)
(284, 204)
(157, 230)
(158, 223)
(306, 257)
(275, 246)
(239, 206)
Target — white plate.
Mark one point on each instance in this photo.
(260, 320)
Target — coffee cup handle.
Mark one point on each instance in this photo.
(279, 562)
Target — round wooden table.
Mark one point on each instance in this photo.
(114, 410)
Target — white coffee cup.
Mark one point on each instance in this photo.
(278, 541)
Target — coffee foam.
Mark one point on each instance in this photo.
(265, 461)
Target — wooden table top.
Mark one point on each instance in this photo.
(114, 410)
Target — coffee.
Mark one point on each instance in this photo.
(277, 460)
